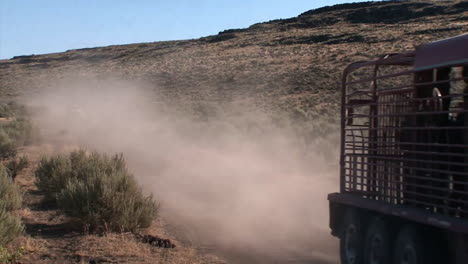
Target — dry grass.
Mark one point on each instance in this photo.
(124, 247)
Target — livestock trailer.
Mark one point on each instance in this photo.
(404, 158)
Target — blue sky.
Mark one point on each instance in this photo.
(45, 26)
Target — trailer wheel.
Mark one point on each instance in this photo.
(409, 248)
(378, 241)
(351, 245)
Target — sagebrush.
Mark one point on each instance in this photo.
(7, 145)
(8, 255)
(20, 130)
(16, 131)
(16, 165)
(52, 174)
(10, 193)
(98, 189)
(10, 200)
(11, 109)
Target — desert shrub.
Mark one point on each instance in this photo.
(14, 166)
(52, 174)
(97, 189)
(10, 199)
(10, 226)
(19, 130)
(10, 194)
(11, 109)
(7, 145)
(103, 202)
(15, 132)
(8, 255)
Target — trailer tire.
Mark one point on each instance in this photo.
(378, 243)
(351, 245)
(411, 248)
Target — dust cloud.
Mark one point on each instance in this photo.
(232, 180)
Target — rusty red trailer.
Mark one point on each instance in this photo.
(404, 158)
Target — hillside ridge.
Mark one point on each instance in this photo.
(358, 12)
(285, 62)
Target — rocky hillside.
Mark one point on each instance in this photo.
(291, 62)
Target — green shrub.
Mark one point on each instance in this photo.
(13, 134)
(98, 190)
(16, 132)
(7, 145)
(11, 255)
(16, 165)
(10, 194)
(11, 109)
(10, 199)
(52, 174)
(19, 130)
(10, 226)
